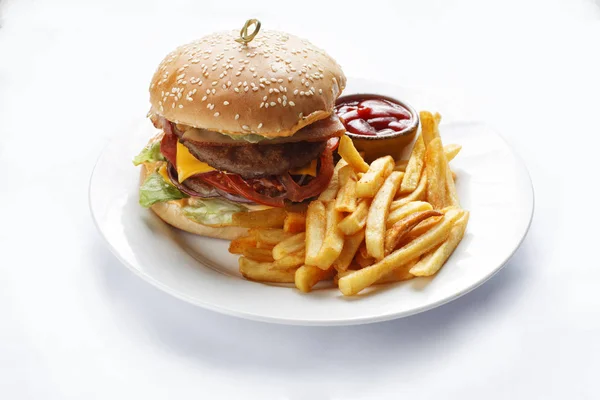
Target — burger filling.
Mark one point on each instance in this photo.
(214, 175)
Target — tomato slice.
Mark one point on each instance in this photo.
(218, 180)
(243, 188)
(333, 143)
(168, 145)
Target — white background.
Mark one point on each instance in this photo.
(75, 324)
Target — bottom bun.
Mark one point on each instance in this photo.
(171, 213)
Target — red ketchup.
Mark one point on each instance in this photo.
(372, 115)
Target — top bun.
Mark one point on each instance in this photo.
(272, 86)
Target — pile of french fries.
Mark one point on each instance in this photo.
(384, 222)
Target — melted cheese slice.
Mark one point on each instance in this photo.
(162, 170)
(188, 165)
(308, 169)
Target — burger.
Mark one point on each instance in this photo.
(244, 126)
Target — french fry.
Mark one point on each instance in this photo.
(290, 245)
(351, 245)
(331, 191)
(293, 260)
(315, 230)
(401, 165)
(407, 209)
(237, 246)
(429, 129)
(334, 238)
(436, 166)
(378, 214)
(270, 236)
(260, 245)
(451, 194)
(421, 228)
(294, 222)
(354, 222)
(354, 283)
(397, 275)
(308, 276)
(270, 218)
(400, 229)
(434, 260)
(261, 255)
(418, 194)
(362, 257)
(372, 180)
(263, 272)
(451, 151)
(346, 197)
(349, 153)
(414, 169)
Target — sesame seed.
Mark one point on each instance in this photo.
(214, 83)
(259, 126)
(270, 90)
(291, 103)
(254, 89)
(320, 91)
(262, 104)
(261, 85)
(272, 104)
(217, 114)
(296, 92)
(246, 89)
(181, 106)
(214, 91)
(237, 116)
(238, 73)
(290, 78)
(204, 98)
(302, 93)
(266, 105)
(279, 100)
(225, 103)
(245, 127)
(265, 98)
(236, 90)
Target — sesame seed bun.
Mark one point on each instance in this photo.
(272, 86)
(171, 213)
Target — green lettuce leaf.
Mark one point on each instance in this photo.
(155, 189)
(149, 153)
(212, 211)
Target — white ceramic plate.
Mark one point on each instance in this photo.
(492, 183)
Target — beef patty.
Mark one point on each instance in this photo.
(253, 161)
